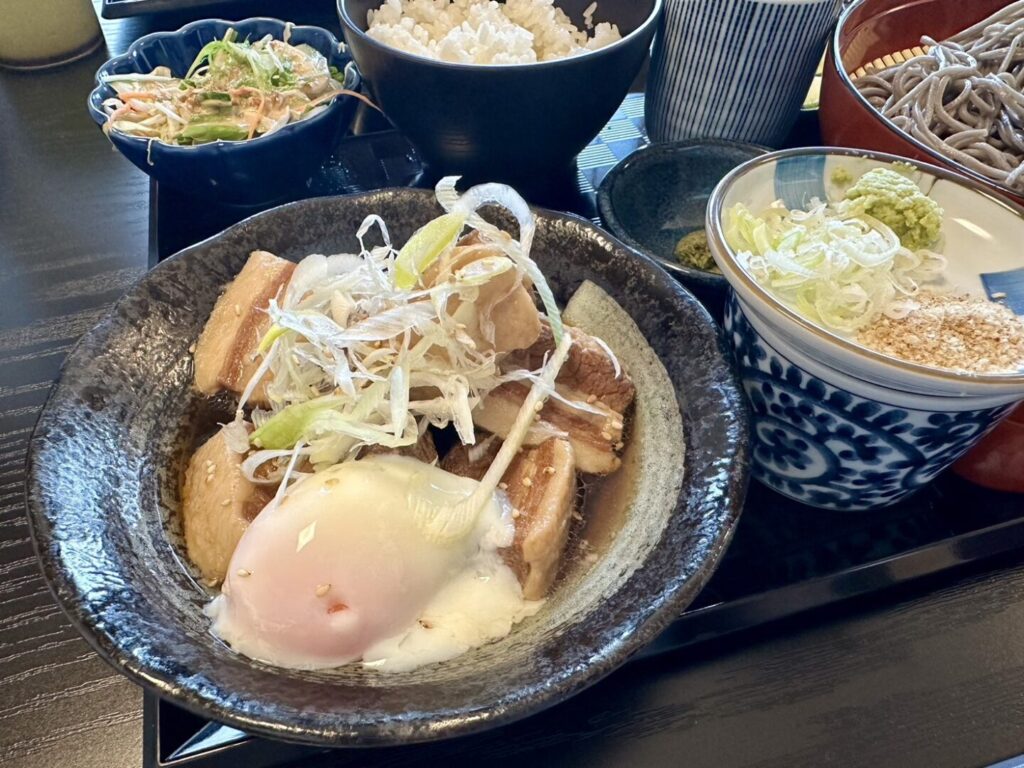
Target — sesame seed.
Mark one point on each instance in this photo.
(998, 295)
(323, 589)
(606, 435)
(591, 558)
(516, 513)
(243, 572)
(238, 311)
(616, 424)
(576, 515)
(960, 333)
(527, 482)
(212, 582)
(549, 470)
(503, 486)
(209, 478)
(192, 348)
(538, 407)
(425, 624)
(619, 445)
(225, 503)
(592, 399)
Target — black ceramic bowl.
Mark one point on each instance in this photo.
(108, 451)
(514, 123)
(660, 192)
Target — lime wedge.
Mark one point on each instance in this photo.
(424, 247)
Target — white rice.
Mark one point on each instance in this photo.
(487, 32)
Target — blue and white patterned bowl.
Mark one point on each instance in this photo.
(838, 425)
(829, 441)
(255, 172)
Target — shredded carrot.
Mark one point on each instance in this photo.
(141, 95)
(343, 92)
(255, 123)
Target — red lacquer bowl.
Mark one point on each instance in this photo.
(998, 460)
(870, 29)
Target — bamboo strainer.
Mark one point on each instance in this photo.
(890, 60)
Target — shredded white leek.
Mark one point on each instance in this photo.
(839, 270)
(359, 355)
(376, 362)
(506, 197)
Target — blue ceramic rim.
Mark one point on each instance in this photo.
(333, 55)
(612, 222)
(844, 78)
(717, 236)
(348, 23)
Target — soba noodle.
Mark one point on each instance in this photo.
(964, 97)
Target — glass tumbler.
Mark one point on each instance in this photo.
(734, 69)
(43, 33)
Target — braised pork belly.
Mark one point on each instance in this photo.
(226, 353)
(541, 486)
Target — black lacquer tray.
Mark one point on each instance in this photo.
(786, 558)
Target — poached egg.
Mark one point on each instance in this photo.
(349, 566)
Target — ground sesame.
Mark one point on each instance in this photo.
(959, 333)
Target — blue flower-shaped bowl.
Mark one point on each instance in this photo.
(255, 172)
(838, 425)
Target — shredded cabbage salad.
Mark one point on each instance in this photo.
(371, 349)
(833, 264)
(234, 91)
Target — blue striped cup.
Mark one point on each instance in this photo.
(734, 69)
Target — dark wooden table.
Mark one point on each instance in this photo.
(934, 677)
